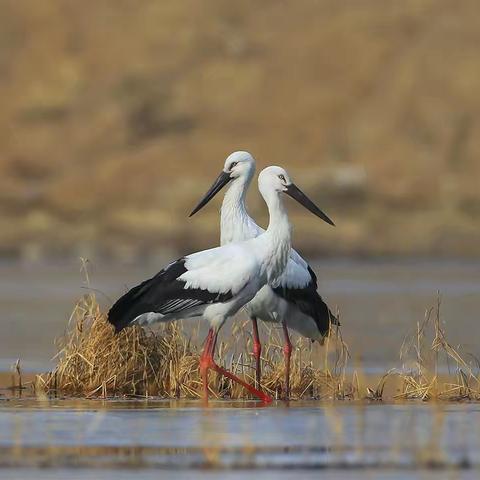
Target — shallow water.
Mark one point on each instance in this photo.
(180, 437)
(379, 302)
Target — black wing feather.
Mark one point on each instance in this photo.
(163, 294)
(309, 302)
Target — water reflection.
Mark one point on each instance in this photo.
(307, 435)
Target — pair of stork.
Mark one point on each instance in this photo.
(253, 268)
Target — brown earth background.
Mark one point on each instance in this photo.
(116, 116)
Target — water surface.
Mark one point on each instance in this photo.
(183, 436)
(379, 302)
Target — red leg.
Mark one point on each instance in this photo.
(257, 351)
(204, 362)
(287, 351)
(207, 362)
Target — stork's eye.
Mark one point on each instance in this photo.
(234, 164)
(282, 178)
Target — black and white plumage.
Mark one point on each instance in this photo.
(216, 283)
(295, 298)
(307, 300)
(213, 283)
(162, 297)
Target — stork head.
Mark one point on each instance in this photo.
(239, 166)
(276, 179)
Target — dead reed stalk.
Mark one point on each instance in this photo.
(438, 370)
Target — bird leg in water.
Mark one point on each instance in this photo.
(257, 351)
(287, 351)
(207, 362)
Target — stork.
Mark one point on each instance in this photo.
(294, 301)
(214, 284)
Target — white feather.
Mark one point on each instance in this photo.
(222, 269)
(237, 225)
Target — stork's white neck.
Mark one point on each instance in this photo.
(277, 238)
(234, 217)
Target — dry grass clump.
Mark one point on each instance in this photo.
(433, 354)
(433, 368)
(94, 361)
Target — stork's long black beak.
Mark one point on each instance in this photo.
(294, 192)
(217, 185)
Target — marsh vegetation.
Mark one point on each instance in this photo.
(93, 361)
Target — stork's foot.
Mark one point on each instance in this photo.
(207, 362)
(255, 392)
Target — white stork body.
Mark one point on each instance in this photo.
(271, 305)
(215, 283)
(293, 299)
(220, 281)
(237, 225)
